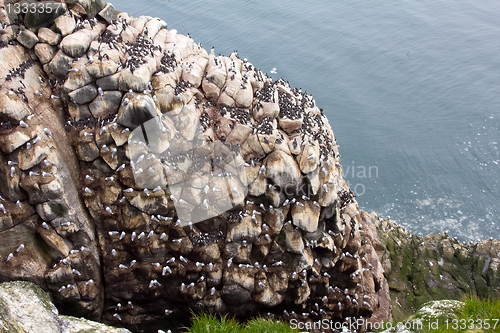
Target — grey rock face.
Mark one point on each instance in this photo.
(106, 104)
(60, 64)
(109, 13)
(84, 94)
(447, 268)
(27, 38)
(65, 24)
(25, 306)
(137, 111)
(45, 52)
(45, 35)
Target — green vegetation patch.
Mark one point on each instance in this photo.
(471, 315)
(210, 323)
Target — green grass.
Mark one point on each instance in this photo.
(470, 318)
(210, 323)
(473, 313)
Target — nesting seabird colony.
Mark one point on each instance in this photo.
(78, 221)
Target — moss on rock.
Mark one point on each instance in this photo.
(435, 267)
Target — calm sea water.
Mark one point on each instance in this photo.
(411, 88)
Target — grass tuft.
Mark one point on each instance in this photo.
(210, 323)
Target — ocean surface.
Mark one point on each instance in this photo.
(411, 89)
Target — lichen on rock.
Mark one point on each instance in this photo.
(25, 307)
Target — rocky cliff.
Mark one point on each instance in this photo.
(104, 116)
(434, 267)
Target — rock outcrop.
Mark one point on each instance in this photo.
(432, 315)
(434, 267)
(25, 307)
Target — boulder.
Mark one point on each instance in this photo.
(45, 52)
(26, 306)
(59, 247)
(81, 325)
(137, 111)
(106, 104)
(109, 13)
(65, 24)
(100, 68)
(28, 158)
(50, 210)
(430, 313)
(10, 186)
(153, 26)
(282, 169)
(137, 80)
(92, 7)
(15, 139)
(13, 107)
(308, 157)
(87, 151)
(84, 94)
(109, 82)
(46, 35)
(77, 43)
(193, 68)
(60, 64)
(266, 109)
(79, 76)
(27, 38)
(245, 230)
(79, 111)
(305, 215)
(44, 17)
(290, 125)
(293, 240)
